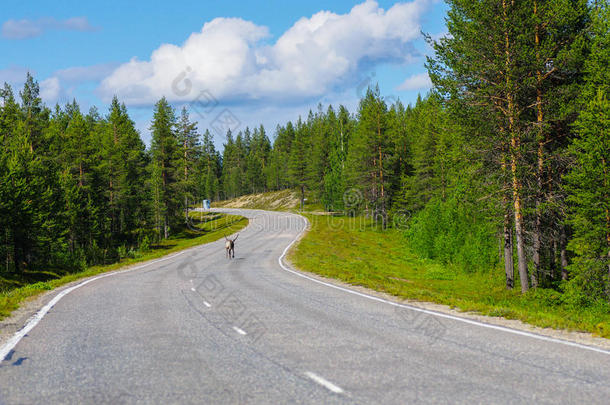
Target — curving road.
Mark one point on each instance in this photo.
(200, 328)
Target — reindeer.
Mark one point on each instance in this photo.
(230, 246)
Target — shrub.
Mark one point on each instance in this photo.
(145, 244)
(450, 233)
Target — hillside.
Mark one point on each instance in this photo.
(273, 200)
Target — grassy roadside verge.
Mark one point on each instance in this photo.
(204, 229)
(354, 251)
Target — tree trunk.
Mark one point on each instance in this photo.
(607, 221)
(186, 209)
(537, 236)
(553, 261)
(521, 259)
(8, 250)
(608, 244)
(383, 213)
(509, 267)
(564, 254)
(164, 202)
(185, 161)
(111, 205)
(515, 154)
(16, 255)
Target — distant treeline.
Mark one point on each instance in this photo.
(506, 161)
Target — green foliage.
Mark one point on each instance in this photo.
(166, 157)
(588, 182)
(299, 156)
(451, 232)
(370, 157)
(145, 244)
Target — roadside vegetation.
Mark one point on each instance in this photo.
(357, 251)
(203, 228)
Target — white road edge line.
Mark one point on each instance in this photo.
(325, 383)
(240, 331)
(429, 312)
(37, 317)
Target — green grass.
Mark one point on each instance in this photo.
(206, 228)
(356, 252)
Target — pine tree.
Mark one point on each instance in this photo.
(165, 158)
(234, 164)
(209, 169)
(299, 157)
(278, 177)
(589, 184)
(555, 53)
(76, 173)
(257, 160)
(318, 164)
(28, 196)
(33, 111)
(489, 71)
(190, 151)
(370, 155)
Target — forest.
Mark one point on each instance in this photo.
(503, 166)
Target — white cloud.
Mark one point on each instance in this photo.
(79, 74)
(230, 58)
(61, 87)
(419, 81)
(24, 29)
(50, 90)
(13, 75)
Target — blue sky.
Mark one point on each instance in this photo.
(234, 63)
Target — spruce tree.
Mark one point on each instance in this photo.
(165, 159)
(370, 155)
(299, 156)
(190, 151)
(588, 182)
(209, 169)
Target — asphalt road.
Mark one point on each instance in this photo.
(200, 328)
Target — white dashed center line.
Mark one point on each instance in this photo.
(240, 331)
(192, 289)
(325, 383)
(207, 304)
